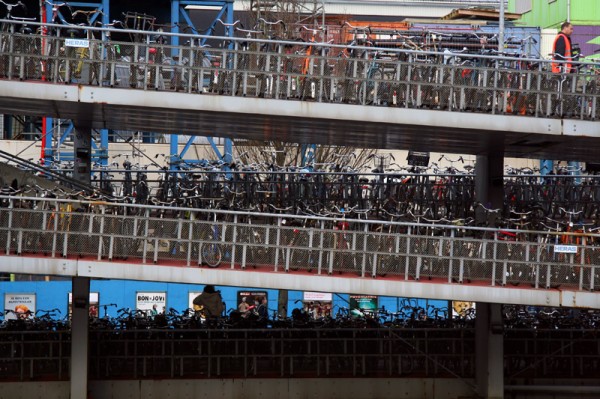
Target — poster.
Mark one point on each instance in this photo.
(361, 305)
(191, 296)
(252, 297)
(94, 304)
(463, 309)
(318, 296)
(152, 302)
(317, 304)
(22, 306)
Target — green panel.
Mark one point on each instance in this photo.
(585, 12)
(544, 13)
(551, 13)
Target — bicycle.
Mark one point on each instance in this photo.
(211, 249)
(19, 49)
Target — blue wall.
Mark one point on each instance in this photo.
(54, 294)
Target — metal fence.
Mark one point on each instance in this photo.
(289, 243)
(255, 353)
(543, 353)
(303, 70)
(284, 353)
(260, 353)
(34, 355)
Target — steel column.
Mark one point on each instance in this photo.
(489, 351)
(82, 146)
(79, 338)
(489, 184)
(178, 10)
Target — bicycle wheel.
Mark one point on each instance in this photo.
(211, 254)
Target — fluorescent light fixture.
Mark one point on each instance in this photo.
(194, 8)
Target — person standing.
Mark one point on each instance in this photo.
(562, 49)
(210, 302)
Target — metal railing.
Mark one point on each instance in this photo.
(284, 353)
(303, 70)
(243, 353)
(39, 355)
(322, 245)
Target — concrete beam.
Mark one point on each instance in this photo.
(302, 282)
(304, 121)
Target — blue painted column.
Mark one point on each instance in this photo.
(174, 152)
(176, 13)
(175, 25)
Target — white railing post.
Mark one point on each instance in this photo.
(408, 235)
(277, 242)
(190, 242)
(146, 229)
(233, 241)
(582, 263)
(364, 257)
(10, 226)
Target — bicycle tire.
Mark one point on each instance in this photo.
(211, 254)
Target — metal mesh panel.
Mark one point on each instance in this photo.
(128, 236)
(5, 214)
(77, 225)
(440, 262)
(252, 237)
(344, 256)
(385, 253)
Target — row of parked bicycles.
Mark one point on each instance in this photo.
(409, 315)
(411, 194)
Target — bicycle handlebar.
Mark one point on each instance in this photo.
(231, 24)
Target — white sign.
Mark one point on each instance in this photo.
(565, 249)
(81, 43)
(93, 305)
(191, 296)
(318, 296)
(21, 305)
(146, 301)
(94, 296)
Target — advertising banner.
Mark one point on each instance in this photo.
(191, 296)
(463, 309)
(22, 306)
(151, 301)
(251, 297)
(94, 304)
(317, 304)
(362, 304)
(318, 296)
